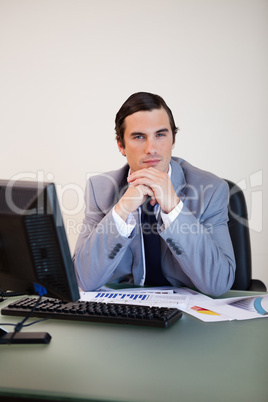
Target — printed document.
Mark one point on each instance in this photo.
(191, 302)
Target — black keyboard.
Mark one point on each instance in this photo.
(95, 312)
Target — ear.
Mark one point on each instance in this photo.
(121, 148)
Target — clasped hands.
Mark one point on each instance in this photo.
(146, 183)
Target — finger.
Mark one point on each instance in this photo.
(150, 173)
(146, 190)
(139, 192)
(144, 181)
(153, 201)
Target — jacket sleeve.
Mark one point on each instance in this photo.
(99, 247)
(200, 243)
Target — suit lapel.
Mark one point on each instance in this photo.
(136, 243)
(120, 185)
(123, 184)
(136, 249)
(179, 182)
(178, 179)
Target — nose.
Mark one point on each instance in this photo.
(150, 146)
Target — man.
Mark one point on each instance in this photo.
(190, 206)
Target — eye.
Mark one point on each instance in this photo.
(138, 137)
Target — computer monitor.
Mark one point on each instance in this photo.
(34, 251)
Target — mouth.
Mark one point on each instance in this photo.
(151, 162)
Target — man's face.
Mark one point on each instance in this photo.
(148, 140)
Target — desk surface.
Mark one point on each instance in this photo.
(192, 360)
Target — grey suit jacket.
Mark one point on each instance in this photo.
(196, 250)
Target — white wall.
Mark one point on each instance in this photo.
(66, 66)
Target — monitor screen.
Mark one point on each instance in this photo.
(34, 251)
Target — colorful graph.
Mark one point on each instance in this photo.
(203, 310)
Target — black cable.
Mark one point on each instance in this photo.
(25, 325)
(21, 324)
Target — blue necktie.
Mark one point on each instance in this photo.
(152, 249)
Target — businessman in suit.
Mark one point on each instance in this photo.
(190, 207)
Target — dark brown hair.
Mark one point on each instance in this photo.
(141, 101)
